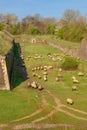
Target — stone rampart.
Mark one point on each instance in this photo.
(6, 68)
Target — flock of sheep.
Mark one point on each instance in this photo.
(45, 69)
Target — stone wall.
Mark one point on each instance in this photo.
(6, 69)
(4, 80)
(10, 64)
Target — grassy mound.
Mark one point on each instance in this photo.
(5, 42)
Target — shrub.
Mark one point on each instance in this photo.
(1, 26)
(70, 63)
(34, 30)
(51, 29)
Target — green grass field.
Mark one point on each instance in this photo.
(26, 105)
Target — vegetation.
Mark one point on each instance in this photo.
(34, 30)
(28, 100)
(24, 104)
(70, 63)
(5, 42)
(72, 26)
(1, 26)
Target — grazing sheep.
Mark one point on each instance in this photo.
(29, 84)
(41, 67)
(57, 79)
(45, 78)
(39, 77)
(40, 87)
(69, 101)
(74, 88)
(80, 74)
(33, 69)
(50, 67)
(60, 69)
(34, 74)
(45, 73)
(34, 84)
(73, 77)
(75, 81)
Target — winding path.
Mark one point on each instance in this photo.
(57, 107)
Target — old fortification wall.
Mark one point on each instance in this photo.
(4, 80)
(6, 68)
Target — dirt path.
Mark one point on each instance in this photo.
(44, 104)
(45, 117)
(58, 107)
(41, 126)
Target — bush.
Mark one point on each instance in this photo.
(1, 26)
(34, 30)
(70, 63)
(51, 29)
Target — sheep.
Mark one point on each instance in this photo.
(41, 67)
(45, 78)
(34, 74)
(50, 67)
(74, 88)
(29, 84)
(80, 74)
(69, 101)
(34, 84)
(75, 81)
(39, 77)
(57, 79)
(40, 87)
(45, 73)
(73, 77)
(60, 69)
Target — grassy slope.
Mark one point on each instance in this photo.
(22, 101)
(51, 38)
(62, 87)
(62, 90)
(5, 42)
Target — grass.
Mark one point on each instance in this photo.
(5, 42)
(52, 39)
(12, 106)
(22, 101)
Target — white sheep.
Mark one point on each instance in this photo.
(40, 87)
(34, 84)
(74, 88)
(45, 78)
(57, 79)
(73, 77)
(80, 74)
(69, 101)
(75, 81)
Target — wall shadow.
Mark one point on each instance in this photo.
(19, 73)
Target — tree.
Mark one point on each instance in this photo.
(34, 30)
(70, 15)
(51, 29)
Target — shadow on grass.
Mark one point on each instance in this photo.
(19, 73)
